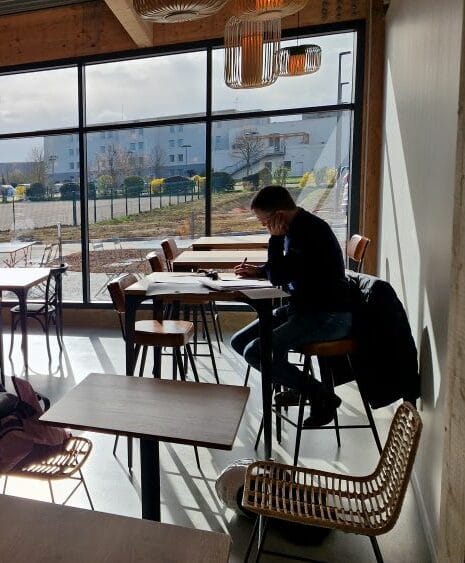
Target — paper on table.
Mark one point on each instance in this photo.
(238, 283)
(178, 280)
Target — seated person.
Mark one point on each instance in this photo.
(305, 258)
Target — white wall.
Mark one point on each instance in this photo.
(423, 39)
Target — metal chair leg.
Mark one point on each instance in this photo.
(192, 362)
(378, 554)
(247, 375)
(251, 540)
(215, 325)
(300, 422)
(209, 342)
(83, 481)
(259, 435)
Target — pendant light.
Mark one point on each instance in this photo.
(173, 11)
(268, 9)
(299, 59)
(251, 50)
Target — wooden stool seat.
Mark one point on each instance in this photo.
(166, 333)
(331, 348)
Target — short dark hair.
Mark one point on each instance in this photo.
(273, 198)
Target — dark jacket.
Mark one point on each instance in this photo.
(308, 263)
(386, 366)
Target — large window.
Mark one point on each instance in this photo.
(131, 167)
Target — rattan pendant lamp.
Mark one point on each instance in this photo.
(251, 50)
(268, 9)
(173, 11)
(299, 59)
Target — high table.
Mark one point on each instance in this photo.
(48, 533)
(259, 299)
(220, 259)
(20, 281)
(231, 242)
(154, 410)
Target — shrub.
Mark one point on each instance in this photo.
(104, 184)
(133, 185)
(178, 185)
(69, 191)
(36, 192)
(222, 181)
(156, 185)
(280, 175)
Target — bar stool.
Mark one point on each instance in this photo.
(325, 352)
(168, 333)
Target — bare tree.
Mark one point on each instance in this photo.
(115, 162)
(248, 146)
(157, 160)
(38, 166)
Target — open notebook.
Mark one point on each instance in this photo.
(236, 283)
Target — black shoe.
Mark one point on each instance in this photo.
(322, 412)
(289, 398)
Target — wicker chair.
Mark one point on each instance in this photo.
(66, 463)
(361, 505)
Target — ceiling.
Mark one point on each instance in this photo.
(15, 6)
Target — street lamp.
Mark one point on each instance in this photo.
(52, 158)
(186, 147)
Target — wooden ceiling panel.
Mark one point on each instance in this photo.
(17, 6)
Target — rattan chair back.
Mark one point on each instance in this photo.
(364, 505)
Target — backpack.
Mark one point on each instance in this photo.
(23, 439)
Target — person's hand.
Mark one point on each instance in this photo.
(245, 270)
(277, 224)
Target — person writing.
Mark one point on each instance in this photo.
(305, 258)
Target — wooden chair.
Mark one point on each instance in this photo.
(47, 312)
(66, 463)
(170, 251)
(356, 250)
(168, 333)
(368, 505)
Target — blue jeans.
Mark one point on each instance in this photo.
(290, 330)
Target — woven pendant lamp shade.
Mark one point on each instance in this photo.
(251, 52)
(268, 9)
(299, 59)
(172, 11)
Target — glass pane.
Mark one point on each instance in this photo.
(310, 154)
(150, 88)
(39, 191)
(327, 86)
(36, 101)
(145, 184)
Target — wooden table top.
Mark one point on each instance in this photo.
(168, 285)
(198, 414)
(48, 533)
(221, 259)
(22, 278)
(231, 242)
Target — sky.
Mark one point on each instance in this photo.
(156, 87)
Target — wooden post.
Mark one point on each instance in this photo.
(452, 515)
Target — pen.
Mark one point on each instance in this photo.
(244, 261)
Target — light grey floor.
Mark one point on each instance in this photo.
(188, 496)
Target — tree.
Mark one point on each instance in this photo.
(157, 160)
(249, 147)
(69, 191)
(116, 163)
(38, 172)
(104, 184)
(280, 175)
(17, 176)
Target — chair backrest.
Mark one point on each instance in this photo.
(53, 287)
(116, 289)
(97, 245)
(388, 483)
(155, 262)
(356, 249)
(170, 251)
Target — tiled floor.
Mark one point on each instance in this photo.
(188, 496)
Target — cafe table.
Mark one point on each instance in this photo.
(239, 242)
(16, 251)
(160, 286)
(40, 532)
(154, 410)
(217, 259)
(19, 281)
